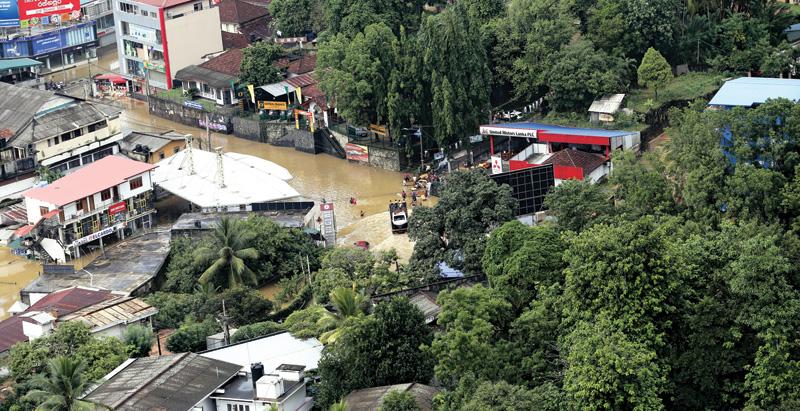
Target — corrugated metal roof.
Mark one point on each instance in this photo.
(271, 351)
(66, 119)
(212, 78)
(169, 382)
(371, 399)
(277, 89)
(608, 104)
(154, 142)
(121, 310)
(749, 91)
(17, 108)
(426, 302)
(67, 301)
(9, 64)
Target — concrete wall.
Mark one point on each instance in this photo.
(167, 150)
(248, 128)
(192, 36)
(385, 158)
(179, 113)
(303, 141)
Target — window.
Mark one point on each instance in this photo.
(161, 155)
(105, 194)
(176, 150)
(125, 28)
(144, 13)
(97, 126)
(43, 210)
(79, 205)
(198, 6)
(136, 183)
(128, 8)
(153, 14)
(206, 89)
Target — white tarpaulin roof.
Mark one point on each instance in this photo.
(271, 351)
(247, 179)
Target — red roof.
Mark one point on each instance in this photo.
(93, 178)
(234, 40)
(229, 62)
(305, 64)
(66, 301)
(11, 332)
(301, 81)
(576, 158)
(237, 11)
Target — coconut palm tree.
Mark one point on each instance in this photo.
(227, 255)
(348, 305)
(61, 387)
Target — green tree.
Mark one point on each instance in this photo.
(62, 387)
(578, 204)
(225, 259)
(255, 330)
(347, 303)
(282, 252)
(182, 272)
(191, 336)
(641, 185)
(291, 17)
(102, 355)
(173, 309)
(470, 206)
(383, 349)
(257, 68)
(309, 322)
(397, 400)
(654, 71)
(140, 339)
(242, 305)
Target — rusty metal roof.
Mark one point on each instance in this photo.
(370, 399)
(122, 310)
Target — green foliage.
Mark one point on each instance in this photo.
(242, 305)
(578, 205)
(308, 323)
(102, 354)
(48, 175)
(383, 349)
(654, 71)
(62, 386)
(470, 206)
(255, 330)
(257, 62)
(291, 17)
(191, 336)
(643, 187)
(282, 252)
(140, 340)
(182, 273)
(225, 258)
(173, 309)
(397, 400)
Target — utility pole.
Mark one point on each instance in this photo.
(208, 134)
(227, 331)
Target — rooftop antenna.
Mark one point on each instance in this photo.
(189, 156)
(220, 177)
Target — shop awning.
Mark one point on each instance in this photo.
(8, 64)
(114, 78)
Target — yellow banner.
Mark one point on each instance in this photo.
(272, 105)
(252, 91)
(299, 94)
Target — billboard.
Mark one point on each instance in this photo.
(46, 43)
(9, 13)
(15, 49)
(36, 9)
(356, 152)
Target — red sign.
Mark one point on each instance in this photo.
(326, 207)
(29, 9)
(117, 208)
(356, 152)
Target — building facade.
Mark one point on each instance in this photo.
(156, 38)
(107, 197)
(53, 46)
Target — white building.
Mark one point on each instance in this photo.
(101, 199)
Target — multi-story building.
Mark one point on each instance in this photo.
(110, 196)
(156, 38)
(41, 128)
(102, 13)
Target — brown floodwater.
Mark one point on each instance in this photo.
(316, 177)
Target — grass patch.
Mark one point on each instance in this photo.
(623, 122)
(686, 87)
(177, 96)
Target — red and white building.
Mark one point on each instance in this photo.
(575, 153)
(101, 199)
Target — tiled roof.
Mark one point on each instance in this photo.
(305, 64)
(93, 178)
(67, 301)
(576, 158)
(168, 382)
(234, 40)
(238, 11)
(301, 81)
(229, 62)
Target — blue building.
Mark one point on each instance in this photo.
(72, 42)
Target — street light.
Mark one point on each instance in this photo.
(91, 277)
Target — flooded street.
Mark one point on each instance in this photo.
(316, 177)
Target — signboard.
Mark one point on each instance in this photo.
(378, 129)
(15, 48)
(142, 33)
(192, 104)
(212, 125)
(117, 208)
(272, 105)
(356, 152)
(328, 225)
(150, 65)
(606, 117)
(497, 165)
(94, 236)
(475, 139)
(9, 14)
(58, 269)
(30, 9)
(508, 132)
(46, 43)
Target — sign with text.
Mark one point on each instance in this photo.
(212, 125)
(356, 152)
(117, 208)
(15, 49)
(272, 105)
(508, 132)
(142, 33)
(46, 43)
(328, 228)
(94, 236)
(9, 14)
(29, 9)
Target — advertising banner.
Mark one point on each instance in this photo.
(9, 14)
(15, 49)
(142, 33)
(272, 105)
(117, 208)
(30, 9)
(508, 131)
(356, 152)
(328, 224)
(46, 43)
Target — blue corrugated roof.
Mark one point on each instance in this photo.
(747, 91)
(7, 64)
(593, 132)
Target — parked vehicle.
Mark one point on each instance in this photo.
(398, 216)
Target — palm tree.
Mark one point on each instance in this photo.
(348, 304)
(338, 406)
(61, 387)
(227, 254)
